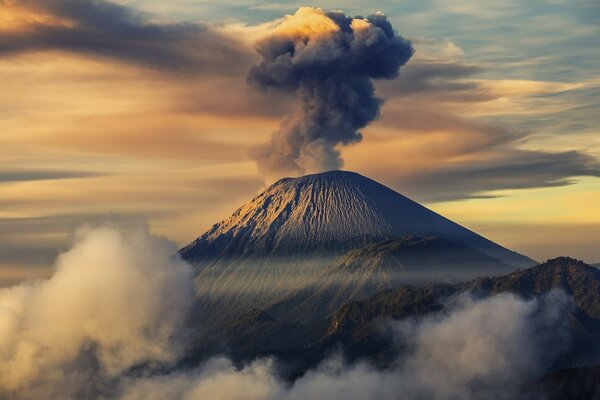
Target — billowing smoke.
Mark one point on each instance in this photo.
(327, 60)
(115, 300)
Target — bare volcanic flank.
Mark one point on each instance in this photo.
(325, 215)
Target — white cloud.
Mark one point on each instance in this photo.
(119, 297)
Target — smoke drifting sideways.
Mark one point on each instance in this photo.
(110, 318)
(327, 60)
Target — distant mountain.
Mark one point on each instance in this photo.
(357, 322)
(385, 265)
(411, 255)
(575, 383)
(305, 307)
(356, 326)
(325, 215)
(280, 246)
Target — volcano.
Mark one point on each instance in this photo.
(306, 245)
(325, 215)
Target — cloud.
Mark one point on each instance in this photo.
(37, 175)
(512, 169)
(29, 246)
(484, 349)
(113, 302)
(213, 117)
(217, 379)
(451, 135)
(107, 29)
(328, 60)
(439, 78)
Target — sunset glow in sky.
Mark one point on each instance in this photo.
(141, 111)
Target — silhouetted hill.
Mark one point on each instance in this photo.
(356, 328)
(576, 383)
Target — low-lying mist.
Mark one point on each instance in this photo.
(115, 300)
(109, 323)
(283, 288)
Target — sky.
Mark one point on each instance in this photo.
(141, 111)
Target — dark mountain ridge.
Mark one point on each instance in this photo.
(355, 328)
(357, 321)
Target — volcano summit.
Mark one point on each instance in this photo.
(326, 214)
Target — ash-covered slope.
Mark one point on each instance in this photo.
(325, 215)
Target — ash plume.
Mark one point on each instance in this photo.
(327, 60)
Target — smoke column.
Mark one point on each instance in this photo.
(328, 61)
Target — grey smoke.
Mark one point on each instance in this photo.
(328, 61)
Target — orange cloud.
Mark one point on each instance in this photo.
(17, 17)
(124, 131)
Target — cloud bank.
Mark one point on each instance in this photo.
(115, 300)
(103, 28)
(110, 322)
(328, 60)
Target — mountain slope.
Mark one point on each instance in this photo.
(414, 254)
(577, 383)
(324, 215)
(358, 327)
(306, 304)
(278, 247)
(356, 323)
(385, 265)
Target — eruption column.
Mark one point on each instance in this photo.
(327, 60)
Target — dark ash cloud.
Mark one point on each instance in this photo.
(106, 29)
(328, 60)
